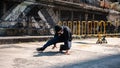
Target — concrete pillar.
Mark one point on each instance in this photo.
(1, 9)
(4, 8)
(72, 15)
(93, 17)
(59, 15)
(86, 24)
(86, 16)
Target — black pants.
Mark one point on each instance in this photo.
(65, 47)
(55, 40)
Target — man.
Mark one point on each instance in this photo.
(62, 34)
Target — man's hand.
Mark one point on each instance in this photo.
(54, 47)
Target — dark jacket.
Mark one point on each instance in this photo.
(67, 34)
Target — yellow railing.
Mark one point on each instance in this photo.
(91, 27)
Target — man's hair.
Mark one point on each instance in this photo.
(58, 28)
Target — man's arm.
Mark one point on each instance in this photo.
(68, 34)
(54, 46)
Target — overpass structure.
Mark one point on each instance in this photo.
(38, 17)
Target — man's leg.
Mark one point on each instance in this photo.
(69, 46)
(50, 42)
(66, 46)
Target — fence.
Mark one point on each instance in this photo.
(92, 28)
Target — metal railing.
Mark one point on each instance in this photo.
(92, 28)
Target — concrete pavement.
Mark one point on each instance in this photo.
(84, 54)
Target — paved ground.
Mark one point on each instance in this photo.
(84, 54)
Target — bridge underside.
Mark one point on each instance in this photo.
(31, 18)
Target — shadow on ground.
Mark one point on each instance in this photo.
(50, 53)
(112, 61)
(10, 46)
(84, 43)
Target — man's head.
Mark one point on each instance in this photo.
(58, 29)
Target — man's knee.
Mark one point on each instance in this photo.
(65, 47)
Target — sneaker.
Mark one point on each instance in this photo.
(40, 49)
